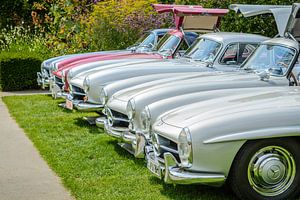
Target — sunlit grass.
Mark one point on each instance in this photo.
(90, 163)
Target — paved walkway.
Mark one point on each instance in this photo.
(23, 173)
(27, 92)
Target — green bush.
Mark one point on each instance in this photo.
(18, 71)
(115, 24)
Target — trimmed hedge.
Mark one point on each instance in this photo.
(18, 71)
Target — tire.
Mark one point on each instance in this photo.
(267, 169)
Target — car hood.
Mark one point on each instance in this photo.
(127, 94)
(155, 66)
(200, 82)
(101, 54)
(257, 99)
(104, 77)
(116, 56)
(140, 81)
(84, 70)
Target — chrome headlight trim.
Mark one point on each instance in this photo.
(103, 96)
(131, 109)
(184, 146)
(146, 120)
(86, 84)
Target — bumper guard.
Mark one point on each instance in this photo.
(42, 80)
(88, 107)
(171, 172)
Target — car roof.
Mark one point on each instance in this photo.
(283, 41)
(229, 37)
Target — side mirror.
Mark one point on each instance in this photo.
(132, 49)
(167, 53)
(264, 75)
(209, 64)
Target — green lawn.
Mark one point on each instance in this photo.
(90, 163)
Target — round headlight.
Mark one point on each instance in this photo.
(103, 96)
(185, 148)
(86, 85)
(145, 120)
(131, 109)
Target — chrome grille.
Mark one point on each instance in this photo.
(117, 119)
(58, 81)
(163, 145)
(77, 92)
(45, 73)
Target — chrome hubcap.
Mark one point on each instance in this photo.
(271, 171)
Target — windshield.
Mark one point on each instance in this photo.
(204, 50)
(273, 58)
(146, 40)
(168, 43)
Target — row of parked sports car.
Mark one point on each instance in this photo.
(202, 109)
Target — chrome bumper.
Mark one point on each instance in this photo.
(139, 145)
(57, 92)
(42, 80)
(171, 173)
(88, 107)
(116, 132)
(100, 122)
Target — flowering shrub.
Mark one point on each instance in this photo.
(20, 39)
(116, 24)
(63, 22)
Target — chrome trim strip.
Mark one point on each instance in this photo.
(111, 132)
(100, 122)
(168, 149)
(174, 174)
(83, 106)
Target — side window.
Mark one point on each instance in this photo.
(230, 57)
(245, 50)
(236, 54)
(190, 38)
(182, 48)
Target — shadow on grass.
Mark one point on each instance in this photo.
(194, 191)
(93, 129)
(125, 154)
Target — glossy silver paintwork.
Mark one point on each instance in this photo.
(44, 76)
(114, 87)
(224, 124)
(165, 92)
(103, 77)
(137, 48)
(221, 125)
(188, 88)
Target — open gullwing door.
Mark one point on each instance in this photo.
(193, 18)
